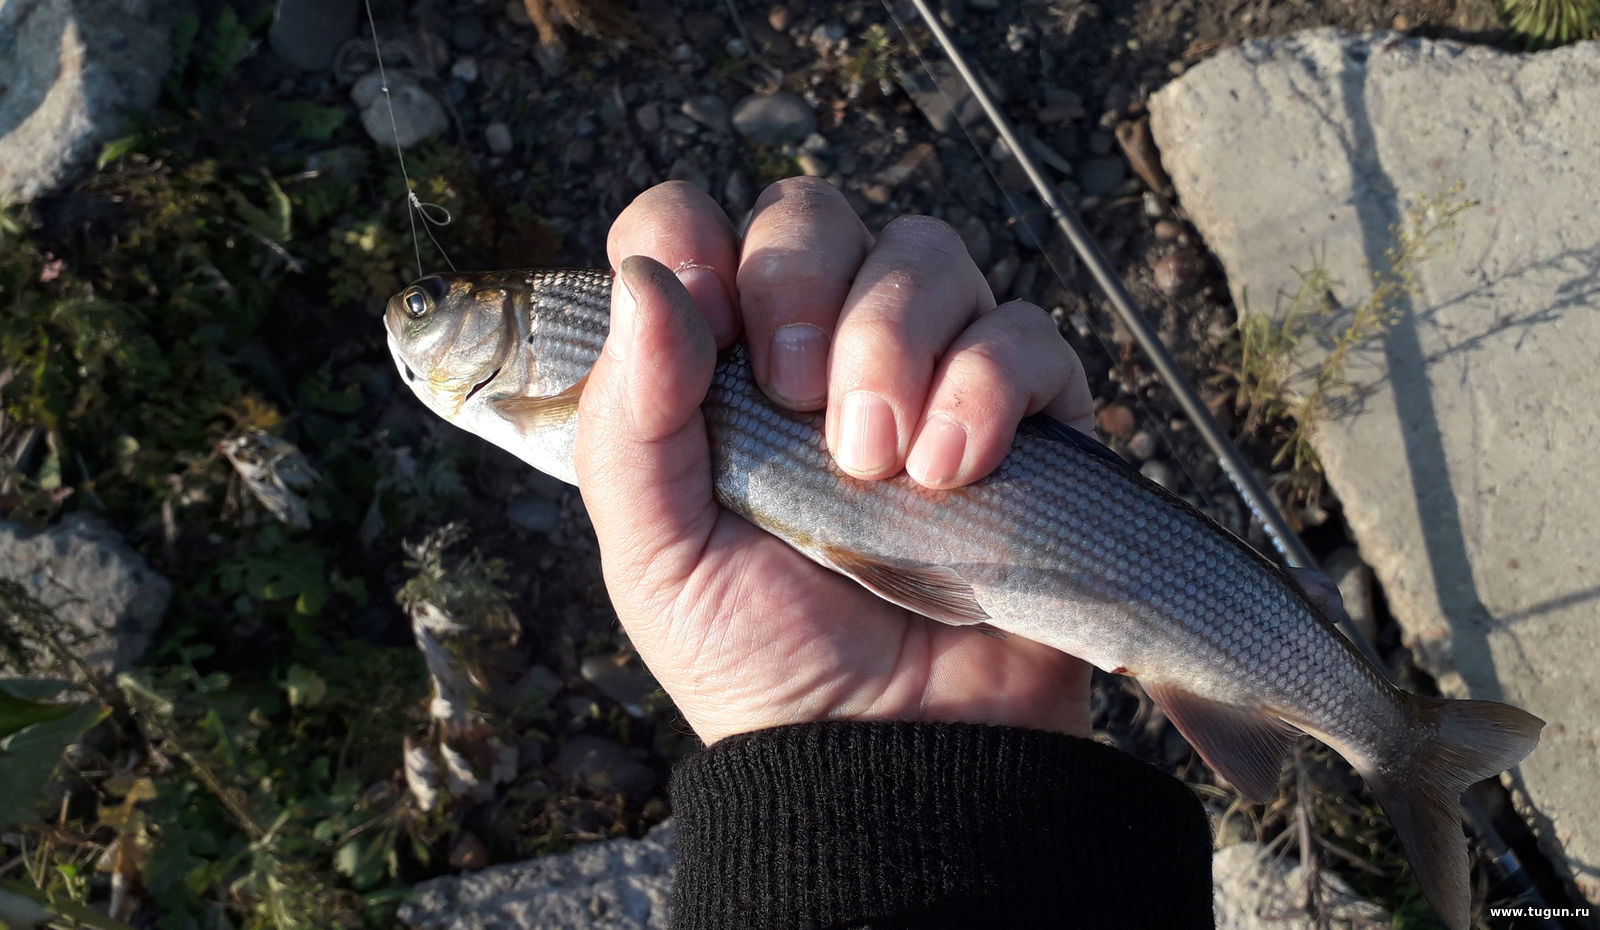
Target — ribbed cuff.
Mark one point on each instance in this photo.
(933, 825)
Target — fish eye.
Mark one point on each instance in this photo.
(423, 294)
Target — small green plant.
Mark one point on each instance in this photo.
(1547, 23)
(1273, 386)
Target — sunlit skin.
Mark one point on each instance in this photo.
(741, 630)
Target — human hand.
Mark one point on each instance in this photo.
(899, 339)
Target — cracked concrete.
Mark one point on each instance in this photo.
(1465, 459)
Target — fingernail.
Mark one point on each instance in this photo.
(624, 313)
(799, 364)
(936, 456)
(868, 443)
(705, 286)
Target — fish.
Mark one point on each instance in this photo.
(1063, 543)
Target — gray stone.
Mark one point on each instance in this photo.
(1098, 177)
(1465, 462)
(1253, 889)
(417, 115)
(497, 136)
(774, 119)
(1355, 582)
(604, 766)
(621, 680)
(534, 513)
(621, 884)
(70, 74)
(710, 112)
(105, 594)
(944, 98)
(308, 33)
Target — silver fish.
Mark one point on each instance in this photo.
(1063, 544)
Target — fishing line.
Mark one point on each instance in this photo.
(432, 214)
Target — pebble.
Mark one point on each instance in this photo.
(621, 680)
(604, 766)
(648, 116)
(1179, 272)
(468, 852)
(680, 124)
(1100, 142)
(1142, 445)
(465, 69)
(467, 33)
(1100, 176)
(1115, 420)
(518, 13)
(920, 159)
(1002, 273)
(811, 165)
(975, 235)
(1168, 229)
(773, 119)
(710, 112)
(1159, 472)
(737, 193)
(778, 17)
(705, 28)
(688, 169)
(417, 115)
(308, 33)
(1356, 583)
(541, 679)
(497, 136)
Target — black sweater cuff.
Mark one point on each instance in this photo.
(845, 824)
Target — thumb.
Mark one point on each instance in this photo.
(643, 464)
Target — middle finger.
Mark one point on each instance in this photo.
(916, 291)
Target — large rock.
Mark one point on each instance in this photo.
(1256, 889)
(1467, 469)
(616, 885)
(71, 71)
(109, 601)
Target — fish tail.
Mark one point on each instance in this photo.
(1468, 742)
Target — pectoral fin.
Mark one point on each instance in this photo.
(931, 590)
(534, 413)
(1242, 744)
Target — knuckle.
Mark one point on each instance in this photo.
(768, 270)
(803, 195)
(928, 232)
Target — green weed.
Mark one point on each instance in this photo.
(1273, 383)
(1547, 23)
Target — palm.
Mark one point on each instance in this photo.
(763, 636)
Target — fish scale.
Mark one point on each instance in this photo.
(1062, 543)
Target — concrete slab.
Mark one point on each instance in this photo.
(1467, 467)
(620, 884)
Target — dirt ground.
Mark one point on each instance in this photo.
(592, 127)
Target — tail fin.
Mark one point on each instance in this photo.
(1470, 741)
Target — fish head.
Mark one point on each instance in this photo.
(452, 336)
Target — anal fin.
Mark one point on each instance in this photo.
(931, 590)
(1245, 745)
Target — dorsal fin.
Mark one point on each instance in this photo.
(931, 590)
(1041, 425)
(534, 413)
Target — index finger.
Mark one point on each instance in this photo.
(681, 227)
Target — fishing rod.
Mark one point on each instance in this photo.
(1288, 544)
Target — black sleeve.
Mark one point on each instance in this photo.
(902, 825)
